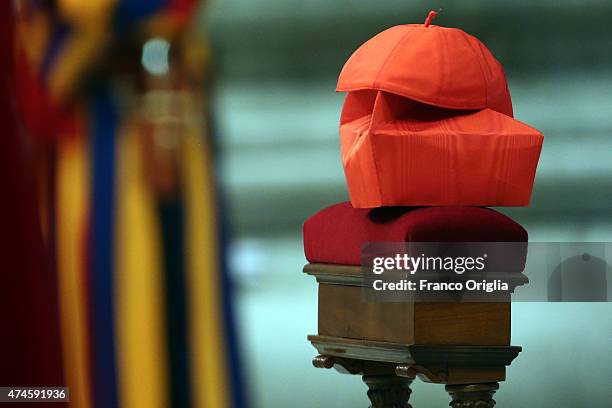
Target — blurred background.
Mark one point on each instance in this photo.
(224, 120)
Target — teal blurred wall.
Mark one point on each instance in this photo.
(276, 65)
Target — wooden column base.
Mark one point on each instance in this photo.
(388, 391)
(472, 395)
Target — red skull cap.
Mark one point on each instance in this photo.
(440, 66)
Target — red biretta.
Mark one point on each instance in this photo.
(428, 120)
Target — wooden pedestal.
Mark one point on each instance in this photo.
(463, 345)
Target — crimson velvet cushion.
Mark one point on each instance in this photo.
(335, 235)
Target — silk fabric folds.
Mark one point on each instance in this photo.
(428, 120)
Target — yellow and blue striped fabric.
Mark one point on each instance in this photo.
(145, 300)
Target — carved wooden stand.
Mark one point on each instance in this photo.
(463, 345)
(473, 395)
(388, 391)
